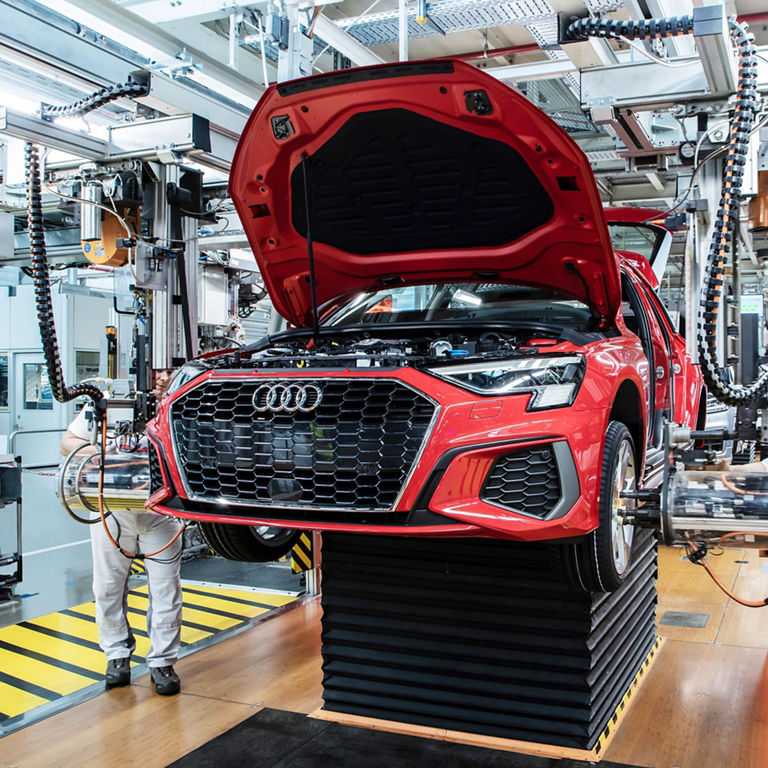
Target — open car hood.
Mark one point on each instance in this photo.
(417, 172)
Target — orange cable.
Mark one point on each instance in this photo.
(117, 546)
(713, 576)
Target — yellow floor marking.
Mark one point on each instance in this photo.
(143, 644)
(258, 597)
(82, 628)
(208, 620)
(13, 701)
(58, 680)
(201, 601)
(54, 647)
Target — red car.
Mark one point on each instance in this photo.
(484, 363)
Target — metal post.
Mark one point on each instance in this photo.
(691, 292)
(235, 17)
(167, 342)
(403, 30)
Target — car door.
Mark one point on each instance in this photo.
(685, 399)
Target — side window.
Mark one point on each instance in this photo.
(662, 318)
(635, 317)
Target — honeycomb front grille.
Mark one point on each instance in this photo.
(524, 481)
(155, 475)
(351, 450)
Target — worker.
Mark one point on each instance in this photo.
(724, 465)
(135, 531)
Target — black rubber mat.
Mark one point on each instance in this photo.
(276, 739)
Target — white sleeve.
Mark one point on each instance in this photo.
(79, 425)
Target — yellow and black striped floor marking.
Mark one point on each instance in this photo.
(302, 558)
(47, 659)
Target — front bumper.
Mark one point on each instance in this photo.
(457, 485)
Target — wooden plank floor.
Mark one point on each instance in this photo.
(703, 705)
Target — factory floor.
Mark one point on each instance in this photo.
(703, 704)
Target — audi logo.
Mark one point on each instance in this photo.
(287, 398)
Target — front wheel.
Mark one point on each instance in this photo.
(249, 543)
(600, 562)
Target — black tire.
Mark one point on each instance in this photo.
(247, 543)
(601, 560)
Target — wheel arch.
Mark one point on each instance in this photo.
(627, 408)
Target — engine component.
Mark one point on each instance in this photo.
(726, 508)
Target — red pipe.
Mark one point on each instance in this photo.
(754, 18)
(491, 52)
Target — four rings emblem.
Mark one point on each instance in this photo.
(287, 398)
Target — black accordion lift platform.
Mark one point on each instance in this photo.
(480, 636)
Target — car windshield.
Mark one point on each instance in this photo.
(476, 302)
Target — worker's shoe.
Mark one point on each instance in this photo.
(166, 681)
(118, 672)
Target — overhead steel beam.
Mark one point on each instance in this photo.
(54, 46)
(37, 34)
(172, 97)
(344, 43)
(636, 193)
(170, 11)
(167, 139)
(38, 131)
(132, 25)
(643, 84)
(538, 70)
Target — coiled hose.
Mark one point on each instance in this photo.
(43, 303)
(742, 122)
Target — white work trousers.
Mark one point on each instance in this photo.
(142, 532)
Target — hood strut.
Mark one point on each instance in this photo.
(310, 251)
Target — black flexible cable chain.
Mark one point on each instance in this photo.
(95, 100)
(43, 303)
(742, 122)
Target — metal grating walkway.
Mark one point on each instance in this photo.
(446, 16)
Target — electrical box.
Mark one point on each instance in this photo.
(213, 296)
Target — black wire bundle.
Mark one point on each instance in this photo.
(95, 100)
(743, 119)
(43, 303)
(630, 28)
(742, 122)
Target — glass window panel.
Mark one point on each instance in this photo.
(38, 395)
(86, 364)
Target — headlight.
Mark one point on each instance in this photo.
(187, 372)
(553, 381)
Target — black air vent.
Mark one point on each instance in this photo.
(392, 180)
(155, 475)
(525, 481)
